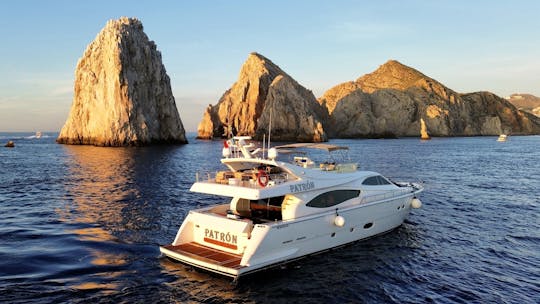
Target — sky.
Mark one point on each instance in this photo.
(466, 45)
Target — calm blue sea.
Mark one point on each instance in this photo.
(82, 224)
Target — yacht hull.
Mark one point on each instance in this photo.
(245, 248)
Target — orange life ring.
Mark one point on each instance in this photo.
(262, 178)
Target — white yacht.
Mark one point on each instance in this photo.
(502, 137)
(281, 211)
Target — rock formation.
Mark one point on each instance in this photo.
(423, 130)
(526, 102)
(265, 94)
(495, 113)
(394, 100)
(122, 92)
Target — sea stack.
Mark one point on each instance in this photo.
(264, 96)
(122, 95)
(423, 130)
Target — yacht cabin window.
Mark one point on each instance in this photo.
(332, 198)
(375, 181)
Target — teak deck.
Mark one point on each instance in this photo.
(208, 254)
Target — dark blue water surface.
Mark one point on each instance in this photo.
(84, 224)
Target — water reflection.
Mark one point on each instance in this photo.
(100, 178)
(112, 203)
(120, 189)
(92, 234)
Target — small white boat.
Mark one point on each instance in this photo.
(283, 211)
(502, 137)
(37, 135)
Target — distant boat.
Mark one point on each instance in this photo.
(37, 135)
(10, 144)
(502, 137)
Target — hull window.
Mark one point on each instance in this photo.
(368, 225)
(332, 198)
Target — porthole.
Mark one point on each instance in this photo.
(352, 229)
(368, 225)
(333, 234)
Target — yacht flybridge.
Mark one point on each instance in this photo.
(281, 211)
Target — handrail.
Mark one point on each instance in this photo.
(275, 179)
(383, 196)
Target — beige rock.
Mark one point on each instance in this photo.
(287, 102)
(396, 100)
(526, 102)
(262, 87)
(423, 130)
(205, 129)
(332, 96)
(122, 92)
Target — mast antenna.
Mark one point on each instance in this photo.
(270, 125)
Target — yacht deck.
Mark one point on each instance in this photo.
(207, 254)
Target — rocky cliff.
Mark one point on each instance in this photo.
(394, 100)
(265, 94)
(493, 111)
(526, 102)
(122, 92)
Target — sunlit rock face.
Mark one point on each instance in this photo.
(526, 102)
(395, 99)
(122, 92)
(265, 95)
(423, 130)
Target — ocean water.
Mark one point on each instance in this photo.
(82, 224)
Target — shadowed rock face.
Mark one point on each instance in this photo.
(262, 91)
(490, 111)
(294, 111)
(122, 92)
(394, 99)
